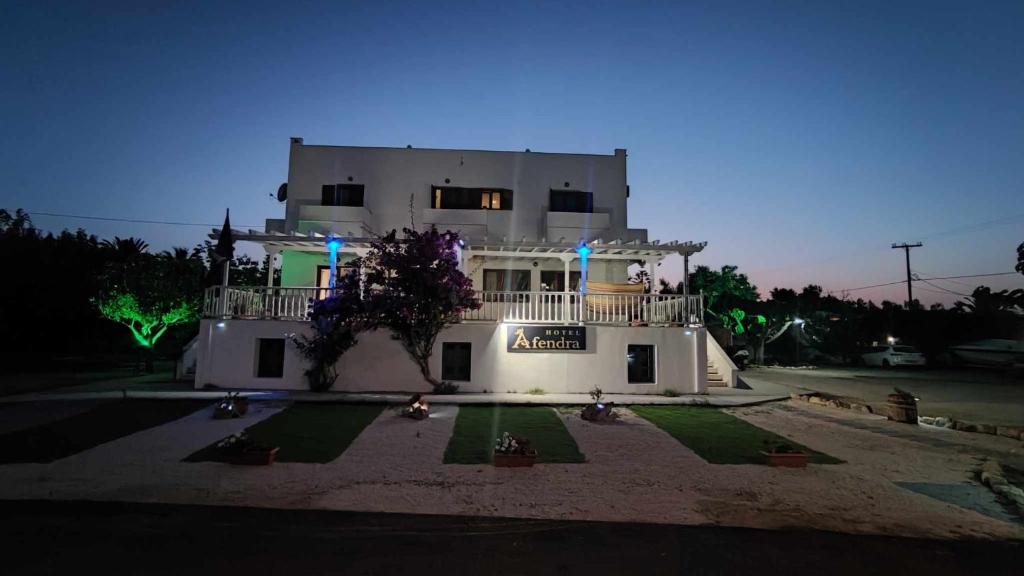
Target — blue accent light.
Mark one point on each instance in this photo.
(583, 250)
(333, 245)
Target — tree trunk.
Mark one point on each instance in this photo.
(150, 368)
(424, 364)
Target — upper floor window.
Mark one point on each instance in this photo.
(571, 201)
(455, 198)
(341, 195)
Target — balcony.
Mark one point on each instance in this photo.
(575, 225)
(276, 303)
(470, 223)
(344, 220)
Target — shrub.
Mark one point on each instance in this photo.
(671, 393)
(536, 391)
(445, 387)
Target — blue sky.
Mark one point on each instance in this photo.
(799, 139)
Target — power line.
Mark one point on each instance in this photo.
(32, 213)
(923, 279)
(916, 277)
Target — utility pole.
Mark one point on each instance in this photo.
(906, 248)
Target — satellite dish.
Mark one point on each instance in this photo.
(282, 192)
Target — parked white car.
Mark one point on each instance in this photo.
(890, 356)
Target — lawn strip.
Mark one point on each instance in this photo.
(311, 432)
(720, 438)
(477, 428)
(102, 424)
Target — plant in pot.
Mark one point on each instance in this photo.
(240, 449)
(785, 455)
(513, 452)
(417, 408)
(599, 411)
(231, 406)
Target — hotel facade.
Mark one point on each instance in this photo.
(545, 243)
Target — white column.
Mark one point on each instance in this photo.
(652, 272)
(272, 253)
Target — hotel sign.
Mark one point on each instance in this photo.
(547, 338)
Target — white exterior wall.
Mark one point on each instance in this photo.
(391, 175)
(380, 364)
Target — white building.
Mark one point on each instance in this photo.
(523, 217)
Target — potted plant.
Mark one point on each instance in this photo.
(240, 449)
(513, 452)
(785, 456)
(417, 408)
(232, 406)
(599, 411)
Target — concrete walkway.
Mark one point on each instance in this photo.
(720, 397)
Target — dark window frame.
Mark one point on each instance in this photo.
(344, 194)
(457, 361)
(575, 201)
(510, 286)
(642, 370)
(264, 364)
(462, 198)
(575, 278)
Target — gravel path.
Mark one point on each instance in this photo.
(634, 472)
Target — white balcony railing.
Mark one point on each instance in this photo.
(275, 303)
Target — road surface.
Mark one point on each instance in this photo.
(107, 538)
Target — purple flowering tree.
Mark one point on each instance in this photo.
(335, 321)
(416, 290)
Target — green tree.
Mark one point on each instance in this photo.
(149, 293)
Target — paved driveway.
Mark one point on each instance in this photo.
(987, 396)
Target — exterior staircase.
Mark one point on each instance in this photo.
(715, 378)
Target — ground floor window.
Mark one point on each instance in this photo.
(455, 360)
(270, 358)
(640, 364)
(554, 281)
(506, 280)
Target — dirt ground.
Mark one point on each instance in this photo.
(972, 394)
(634, 472)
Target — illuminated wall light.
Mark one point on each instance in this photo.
(334, 244)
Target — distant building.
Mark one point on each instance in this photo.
(547, 321)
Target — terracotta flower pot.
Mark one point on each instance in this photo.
(787, 459)
(254, 457)
(515, 460)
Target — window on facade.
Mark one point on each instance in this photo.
(270, 358)
(456, 361)
(323, 278)
(571, 201)
(554, 281)
(640, 364)
(507, 280)
(455, 198)
(341, 195)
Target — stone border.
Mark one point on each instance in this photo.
(823, 399)
(992, 475)
(1014, 432)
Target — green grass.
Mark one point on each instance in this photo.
(102, 424)
(311, 432)
(717, 437)
(478, 427)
